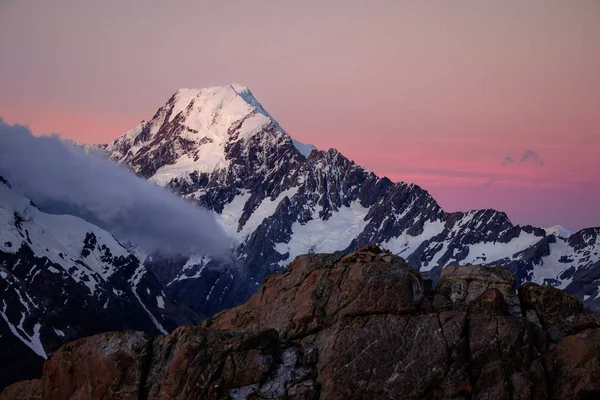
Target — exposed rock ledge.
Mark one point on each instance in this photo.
(360, 326)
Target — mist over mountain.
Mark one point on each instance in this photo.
(63, 179)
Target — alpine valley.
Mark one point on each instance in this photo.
(62, 278)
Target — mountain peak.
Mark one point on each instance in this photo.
(559, 231)
(193, 130)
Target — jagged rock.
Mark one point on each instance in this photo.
(346, 327)
(490, 302)
(556, 310)
(224, 364)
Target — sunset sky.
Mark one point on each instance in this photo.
(486, 104)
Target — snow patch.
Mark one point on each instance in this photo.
(319, 236)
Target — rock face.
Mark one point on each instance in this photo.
(219, 148)
(359, 326)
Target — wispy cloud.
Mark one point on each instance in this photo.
(532, 155)
(507, 160)
(527, 155)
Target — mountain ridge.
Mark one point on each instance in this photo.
(226, 153)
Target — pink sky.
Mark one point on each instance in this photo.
(438, 95)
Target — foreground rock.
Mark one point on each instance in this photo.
(359, 326)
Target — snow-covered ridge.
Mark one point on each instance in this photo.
(558, 231)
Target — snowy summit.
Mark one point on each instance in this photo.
(195, 127)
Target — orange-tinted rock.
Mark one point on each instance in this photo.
(195, 362)
(315, 291)
(106, 366)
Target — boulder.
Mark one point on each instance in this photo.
(460, 285)
(556, 310)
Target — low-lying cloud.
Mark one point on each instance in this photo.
(61, 178)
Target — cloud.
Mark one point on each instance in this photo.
(507, 160)
(61, 178)
(532, 155)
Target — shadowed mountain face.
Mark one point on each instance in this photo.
(360, 326)
(219, 148)
(62, 278)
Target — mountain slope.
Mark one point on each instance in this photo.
(62, 278)
(219, 148)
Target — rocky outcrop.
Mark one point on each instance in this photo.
(364, 325)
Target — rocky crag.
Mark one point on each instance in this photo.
(357, 326)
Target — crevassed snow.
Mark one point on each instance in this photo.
(405, 244)
(303, 148)
(318, 236)
(550, 268)
(487, 252)
(232, 212)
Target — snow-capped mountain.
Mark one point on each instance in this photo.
(559, 231)
(278, 198)
(62, 278)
